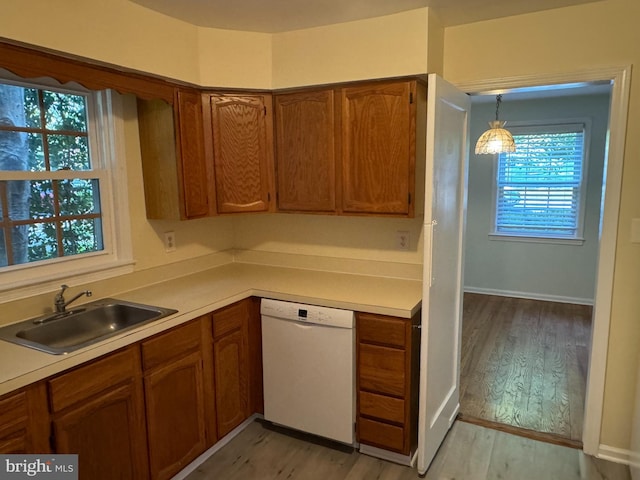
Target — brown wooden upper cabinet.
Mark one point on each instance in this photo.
(379, 148)
(305, 151)
(242, 131)
(178, 180)
(350, 150)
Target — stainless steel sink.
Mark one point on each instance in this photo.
(65, 332)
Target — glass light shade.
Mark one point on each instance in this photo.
(495, 140)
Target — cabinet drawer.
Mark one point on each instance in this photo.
(229, 318)
(89, 380)
(382, 330)
(176, 343)
(381, 406)
(381, 435)
(381, 369)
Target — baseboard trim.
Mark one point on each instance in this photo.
(529, 295)
(386, 455)
(615, 454)
(186, 471)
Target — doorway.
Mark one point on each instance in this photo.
(528, 287)
(619, 76)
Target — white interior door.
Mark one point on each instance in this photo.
(445, 204)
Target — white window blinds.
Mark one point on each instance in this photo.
(539, 186)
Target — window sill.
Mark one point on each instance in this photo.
(528, 239)
(51, 282)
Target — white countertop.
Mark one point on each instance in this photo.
(204, 292)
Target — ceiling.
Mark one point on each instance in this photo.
(543, 91)
(271, 16)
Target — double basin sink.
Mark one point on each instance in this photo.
(64, 332)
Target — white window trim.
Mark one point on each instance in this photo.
(25, 280)
(578, 239)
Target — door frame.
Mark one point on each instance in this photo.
(620, 77)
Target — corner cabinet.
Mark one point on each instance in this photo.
(242, 136)
(378, 148)
(178, 179)
(305, 151)
(387, 383)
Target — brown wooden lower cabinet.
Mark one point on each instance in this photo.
(149, 409)
(231, 365)
(387, 381)
(176, 398)
(98, 413)
(24, 421)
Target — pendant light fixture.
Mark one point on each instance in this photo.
(496, 139)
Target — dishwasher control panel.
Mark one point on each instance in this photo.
(307, 313)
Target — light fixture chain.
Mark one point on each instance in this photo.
(498, 100)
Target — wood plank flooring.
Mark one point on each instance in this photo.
(470, 452)
(524, 363)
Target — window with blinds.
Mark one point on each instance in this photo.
(539, 187)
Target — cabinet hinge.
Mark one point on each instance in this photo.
(265, 111)
(409, 195)
(410, 98)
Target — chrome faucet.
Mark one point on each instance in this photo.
(60, 302)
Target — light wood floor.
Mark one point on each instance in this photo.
(469, 452)
(524, 363)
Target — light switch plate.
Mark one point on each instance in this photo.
(635, 230)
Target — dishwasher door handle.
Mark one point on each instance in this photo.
(304, 326)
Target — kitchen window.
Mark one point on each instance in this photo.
(540, 188)
(58, 172)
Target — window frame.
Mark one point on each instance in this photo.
(105, 127)
(525, 127)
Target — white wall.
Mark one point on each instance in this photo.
(534, 270)
(365, 244)
(393, 45)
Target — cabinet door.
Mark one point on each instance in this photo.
(178, 180)
(231, 379)
(196, 181)
(176, 420)
(305, 151)
(378, 148)
(24, 421)
(108, 434)
(243, 152)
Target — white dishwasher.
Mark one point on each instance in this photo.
(308, 365)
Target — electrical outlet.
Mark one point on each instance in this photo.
(169, 242)
(635, 230)
(403, 240)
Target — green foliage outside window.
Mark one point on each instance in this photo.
(46, 131)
